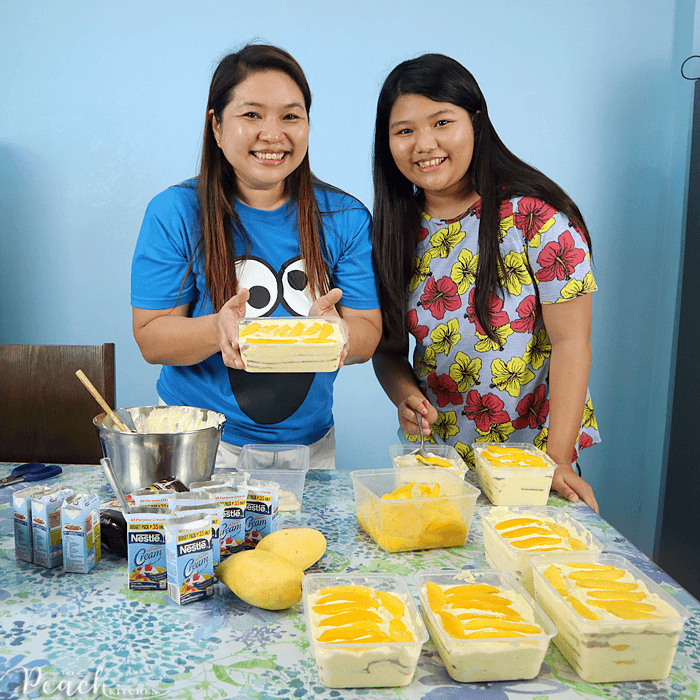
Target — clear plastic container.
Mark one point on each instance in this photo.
(372, 664)
(291, 344)
(403, 458)
(611, 650)
(489, 659)
(415, 521)
(514, 486)
(284, 464)
(502, 554)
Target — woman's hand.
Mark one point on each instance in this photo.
(407, 415)
(325, 306)
(226, 322)
(570, 485)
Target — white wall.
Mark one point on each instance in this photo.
(103, 106)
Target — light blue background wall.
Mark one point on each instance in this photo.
(102, 106)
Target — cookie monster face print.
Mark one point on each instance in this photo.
(269, 398)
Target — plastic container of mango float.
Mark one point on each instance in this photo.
(364, 629)
(408, 509)
(445, 456)
(291, 344)
(484, 624)
(638, 627)
(512, 536)
(521, 485)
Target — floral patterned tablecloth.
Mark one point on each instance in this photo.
(88, 636)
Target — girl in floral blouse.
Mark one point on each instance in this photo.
(486, 262)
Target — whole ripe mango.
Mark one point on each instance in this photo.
(261, 578)
(302, 545)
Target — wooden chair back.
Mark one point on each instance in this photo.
(45, 411)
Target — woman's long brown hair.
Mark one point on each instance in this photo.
(218, 189)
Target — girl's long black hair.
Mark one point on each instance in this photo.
(494, 173)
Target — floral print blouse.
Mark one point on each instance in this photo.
(484, 392)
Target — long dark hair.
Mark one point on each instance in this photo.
(494, 172)
(217, 185)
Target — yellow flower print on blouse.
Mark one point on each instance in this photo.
(421, 271)
(445, 337)
(466, 453)
(465, 371)
(577, 288)
(445, 239)
(496, 433)
(515, 273)
(426, 363)
(414, 438)
(540, 440)
(589, 419)
(485, 343)
(511, 377)
(504, 225)
(463, 272)
(538, 349)
(446, 425)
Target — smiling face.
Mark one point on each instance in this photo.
(432, 144)
(264, 135)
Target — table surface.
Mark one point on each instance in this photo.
(98, 639)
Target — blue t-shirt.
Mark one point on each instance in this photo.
(260, 408)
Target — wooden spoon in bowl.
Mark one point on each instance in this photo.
(98, 397)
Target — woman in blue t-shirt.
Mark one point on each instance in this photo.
(255, 235)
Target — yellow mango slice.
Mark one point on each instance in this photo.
(313, 328)
(620, 647)
(434, 460)
(536, 542)
(435, 491)
(325, 331)
(604, 585)
(558, 529)
(360, 633)
(581, 609)
(492, 635)
(282, 330)
(452, 624)
(250, 328)
(617, 595)
(472, 588)
(436, 596)
(335, 608)
(269, 341)
(337, 590)
(358, 597)
(399, 632)
(424, 489)
(577, 545)
(297, 329)
(524, 531)
(553, 575)
(351, 617)
(614, 606)
(516, 522)
(589, 565)
(393, 604)
(480, 623)
(464, 600)
(609, 575)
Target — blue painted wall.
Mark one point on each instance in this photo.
(103, 106)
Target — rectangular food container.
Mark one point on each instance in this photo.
(372, 664)
(492, 659)
(284, 464)
(611, 650)
(514, 486)
(415, 521)
(501, 552)
(403, 457)
(291, 344)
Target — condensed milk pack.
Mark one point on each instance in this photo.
(190, 565)
(261, 510)
(22, 502)
(145, 542)
(80, 532)
(46, 525)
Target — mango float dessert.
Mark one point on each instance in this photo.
(512, 536)
(364, 629)
(515, 475)
(294, 344)
(484, 625)
(615, 624)
(444, 456)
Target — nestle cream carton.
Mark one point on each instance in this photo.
(211, 509)
(22, 502)
(46, 526)
(80, 532)
(148, 497)
(261, 510)
(145, 548)
(232, 530)
(188, 548)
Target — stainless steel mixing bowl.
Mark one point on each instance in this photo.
(140, 459)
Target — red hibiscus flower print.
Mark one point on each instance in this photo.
(485, 411)
(533, 410)
(584, 440)
(423, 234)
(532, 215)
(559, 259)
(506, 209)
(418, 332)
(497, 316)
(440, 296)
(529, 315)
(445, 389)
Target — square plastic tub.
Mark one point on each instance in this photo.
(514, 486)
(290, 344)
(494, 658)
(402, 457)
(381, 662)
(415, 521)
(611, 649)
(502, 552)
(284, 464)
